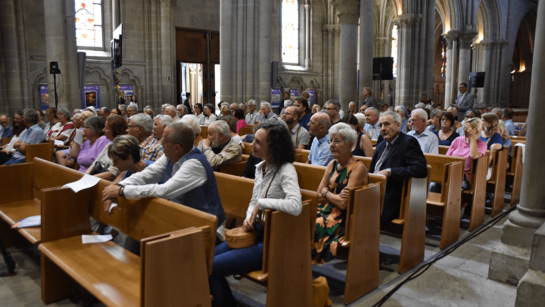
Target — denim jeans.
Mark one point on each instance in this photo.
(15, 161)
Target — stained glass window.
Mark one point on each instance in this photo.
(290, 31)
(88, 23)
(443, 58)
(394, 49)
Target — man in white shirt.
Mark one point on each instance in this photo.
(299, 136)
(182, 175)
(429, 142)
(371, 116)
(171, 111)
(252, 112)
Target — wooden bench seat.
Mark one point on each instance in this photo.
(514, 174)
(16, 211)
(496, 184)
(246, 130)
(5, 141)
(204, 132)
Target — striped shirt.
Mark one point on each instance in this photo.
(151, 149)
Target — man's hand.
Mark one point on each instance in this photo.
(106, 204)
(206, 143)
(111, 191)
(384, 173)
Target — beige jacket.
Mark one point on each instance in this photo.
(231, 153)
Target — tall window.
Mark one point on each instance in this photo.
(443, 58)
(394, 49)
(88, 23)
(290, 31)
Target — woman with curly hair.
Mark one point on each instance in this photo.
(343, 173)
(276, 187)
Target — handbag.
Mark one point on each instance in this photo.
(99, 168)
(240, 238)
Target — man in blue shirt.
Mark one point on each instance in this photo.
(33, 134)
(319, 125)
(508, 120)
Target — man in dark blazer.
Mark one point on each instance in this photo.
(398, 157)
(464, 101)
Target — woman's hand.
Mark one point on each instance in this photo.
(344, 193)
(248, 224)
(111, 191)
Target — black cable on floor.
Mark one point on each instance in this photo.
(426, 266)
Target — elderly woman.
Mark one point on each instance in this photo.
(446, 135)
(193, 122)
(94, 144)
(276, 187)
(51, 114)
(363, 147)
(148, 110)
(435, 121)
(402, 111)
(199, 113)
(244, 107)
(287, 103)
(63, 130)
(225, 110)
(352, 107)
(103, 166)
(65, 157)
(343, 173)
(7, 151)
(210, 117)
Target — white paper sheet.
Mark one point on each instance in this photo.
(31, 221)
(87, 181)
(86, 239)
(58, 143)
(112, 206)
(523, 149)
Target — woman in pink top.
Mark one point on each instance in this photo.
(95, 143)
(238, 114)
(469, 146)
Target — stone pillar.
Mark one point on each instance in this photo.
(367, 30)
(484, 95)
(348, 12)
(407, 23)
(466, 39)
(60, 46)
(450, 83)
(168, 53)
(510, 259)
(226, 49)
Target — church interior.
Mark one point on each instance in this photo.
(240, 50)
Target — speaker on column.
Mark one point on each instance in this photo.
(82, 63)
(476, 79)
(274, 73)
(383, 68)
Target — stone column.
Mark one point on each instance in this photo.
(407, 23)
(367, 32)
(510, 259)
(485, 67)
(168, 53)
(60, 46)
(226, 49)
(466, 39)
(452, 42)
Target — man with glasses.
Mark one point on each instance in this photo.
(464, 102)
(141, 127)
(5, 127)
(319, 125)
(333, 107)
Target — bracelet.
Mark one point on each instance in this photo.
(323, 195)
(121, 192)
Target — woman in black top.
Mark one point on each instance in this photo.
(363, 147)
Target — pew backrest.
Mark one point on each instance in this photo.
(5, 141)
(247, 148)
(42, 150)
(204, 132)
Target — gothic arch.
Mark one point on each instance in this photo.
(96, 75)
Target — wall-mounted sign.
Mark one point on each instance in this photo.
(44, 97)
(128, 90)
(312, 98)
(294, 94)
(275, 98)
(90, 96)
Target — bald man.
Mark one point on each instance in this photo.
(319, 125)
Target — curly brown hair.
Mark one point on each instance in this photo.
(280, 143)
(117, 124)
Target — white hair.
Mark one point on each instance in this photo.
(133, 106)
(170, 108)
(360, 117)
(373, 109)
(393, 115)
(220, 127)
(193, 122)
(346, 132)
(164, 119)
(252, 102)
(420, 113)
(351, 103)
(266, 104)
(420, 105)
(143, 120)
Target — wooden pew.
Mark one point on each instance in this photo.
(288, 275)
(496, 184)
(303, 153)
(247, 148)
(246, 130)
(42, 151)
(204, 132)
(22, 185)
(476, 197)
(514, 174)
(443, 149)
(447, 171)
(177, 248)
(5, 141)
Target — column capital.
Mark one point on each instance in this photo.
(408, 20)
(451, 37)
(328, 28)
(486, 43)
(348, 11)
(466, 39)
(168, 3)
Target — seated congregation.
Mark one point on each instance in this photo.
(318, 171)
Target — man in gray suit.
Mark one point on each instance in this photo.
(464, 102)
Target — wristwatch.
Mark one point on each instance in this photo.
(389, 172)
(121, 192)
(323, 195)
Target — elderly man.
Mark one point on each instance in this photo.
(141, 127)
(182, 110)
(352, 107)
(5, 126)
(132, 110)
(333, 107)
(464, 102)
(287, 103)
(398, 158)
(266, 113)
(299, 136)
(244, 108)
(219, 148)
(33, 134)
(508, 120)
(429, 142)
(159, 125)
(234, 106)
(104, 112)
(371, 116)
(316, 108)
(182, 175)
(171, 111)
(123, 109)
(363, 108)
(319, 125)
(252, 114)
(163, 107)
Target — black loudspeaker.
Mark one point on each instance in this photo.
(82, 63)
(476, 79)
(383, 68)
(54, 68)
(274, 73)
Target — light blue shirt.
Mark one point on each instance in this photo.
(320, 154)
(376, 130)
(429, 142)
(510, 127)
(270, 117)
(32, 135)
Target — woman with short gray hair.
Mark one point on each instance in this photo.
(342, 173)
(95, 143)
(63, 131)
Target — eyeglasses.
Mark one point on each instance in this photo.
(336, 142)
